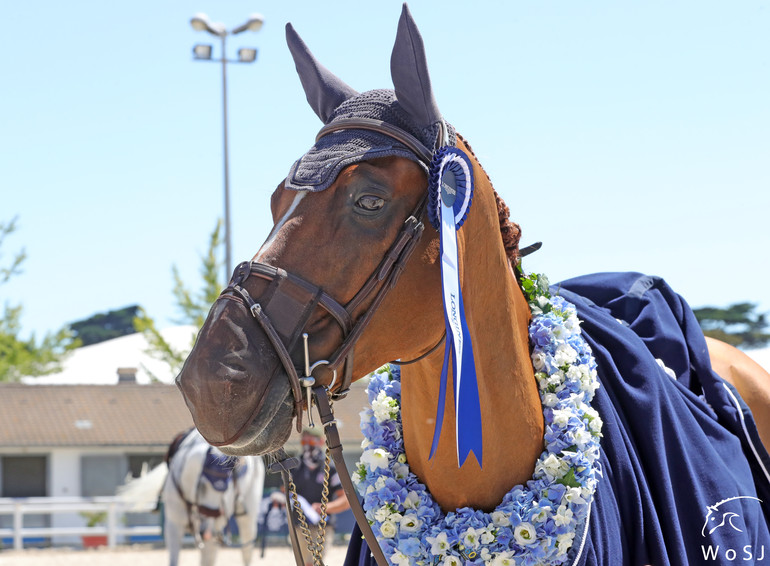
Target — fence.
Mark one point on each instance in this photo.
(114, 529)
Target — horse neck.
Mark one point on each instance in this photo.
(512, 419)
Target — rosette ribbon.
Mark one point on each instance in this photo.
(450, 192)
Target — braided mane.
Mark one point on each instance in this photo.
(509, 231)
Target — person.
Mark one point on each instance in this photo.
(308, 478)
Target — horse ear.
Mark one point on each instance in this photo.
(324, 91)
(409, 71)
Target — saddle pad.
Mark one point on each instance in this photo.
(685, 474)
(218, 469)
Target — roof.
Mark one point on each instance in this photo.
(120, 415)
(98, 364)
(90, 415)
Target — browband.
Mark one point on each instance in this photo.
(380, 127)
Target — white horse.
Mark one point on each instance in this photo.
(201, 490)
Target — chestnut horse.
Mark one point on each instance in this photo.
(330, 236)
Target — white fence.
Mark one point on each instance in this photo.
(115, 529)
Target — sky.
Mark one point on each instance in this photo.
(623, 135)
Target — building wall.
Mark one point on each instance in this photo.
(65, 476)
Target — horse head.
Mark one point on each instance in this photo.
(340, 218)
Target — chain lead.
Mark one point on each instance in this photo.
(316, 546)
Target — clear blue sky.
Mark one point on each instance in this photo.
(624, 135)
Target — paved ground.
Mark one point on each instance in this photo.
(148, 556)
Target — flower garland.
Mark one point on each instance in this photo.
(536, 523)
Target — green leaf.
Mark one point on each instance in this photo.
(569, 479)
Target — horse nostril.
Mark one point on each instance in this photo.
(236, 363)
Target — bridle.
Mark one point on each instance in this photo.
(285, 308)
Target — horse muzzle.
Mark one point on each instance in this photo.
(239, 376)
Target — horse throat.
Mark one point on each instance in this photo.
(512, 417)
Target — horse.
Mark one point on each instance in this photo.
(351, 277)
(202, 489)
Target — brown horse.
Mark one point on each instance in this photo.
(331, 241)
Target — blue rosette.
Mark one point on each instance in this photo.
(450, 193)
(450, 180)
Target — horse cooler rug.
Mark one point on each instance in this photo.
(684, 476)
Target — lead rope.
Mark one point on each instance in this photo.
(334, 446)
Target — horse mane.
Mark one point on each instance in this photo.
(509, 231)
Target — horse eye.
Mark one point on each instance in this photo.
(370, 203)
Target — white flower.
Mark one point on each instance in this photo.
(525, 534)
(487, 536)
(470, 538)
(410, 523)
(561, 417)
(383, 407)
(582, 438)
(538, 360)
(451, 561)
(594, 420)
(541, 515)
(500, 518)
(388, 529)
(564, 542)
(399, 558)
(574, 373)
(401, 458)
(563, 515)
(550, 400)
(573, 495)
(412, 500)
(383, 513)
(503, 559)
(376, 458)
(565, 354)
(400, 471)
(553, 467)
(572, 324)
(439, 545)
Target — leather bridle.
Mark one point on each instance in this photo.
(285, 308)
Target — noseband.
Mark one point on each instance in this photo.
(285, 308)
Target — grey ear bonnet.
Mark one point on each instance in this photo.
(414, 111)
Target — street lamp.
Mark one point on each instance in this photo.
(203, 52)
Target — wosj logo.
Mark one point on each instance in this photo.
(726, 516)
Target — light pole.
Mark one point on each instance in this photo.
(202, 52)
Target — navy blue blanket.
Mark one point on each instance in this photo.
(685, 476)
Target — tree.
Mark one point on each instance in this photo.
(20, 357)
(737, 324)
(106, 326)
(193, 306)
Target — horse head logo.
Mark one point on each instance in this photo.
(717, 517)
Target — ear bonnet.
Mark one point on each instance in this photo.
(411, 108)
